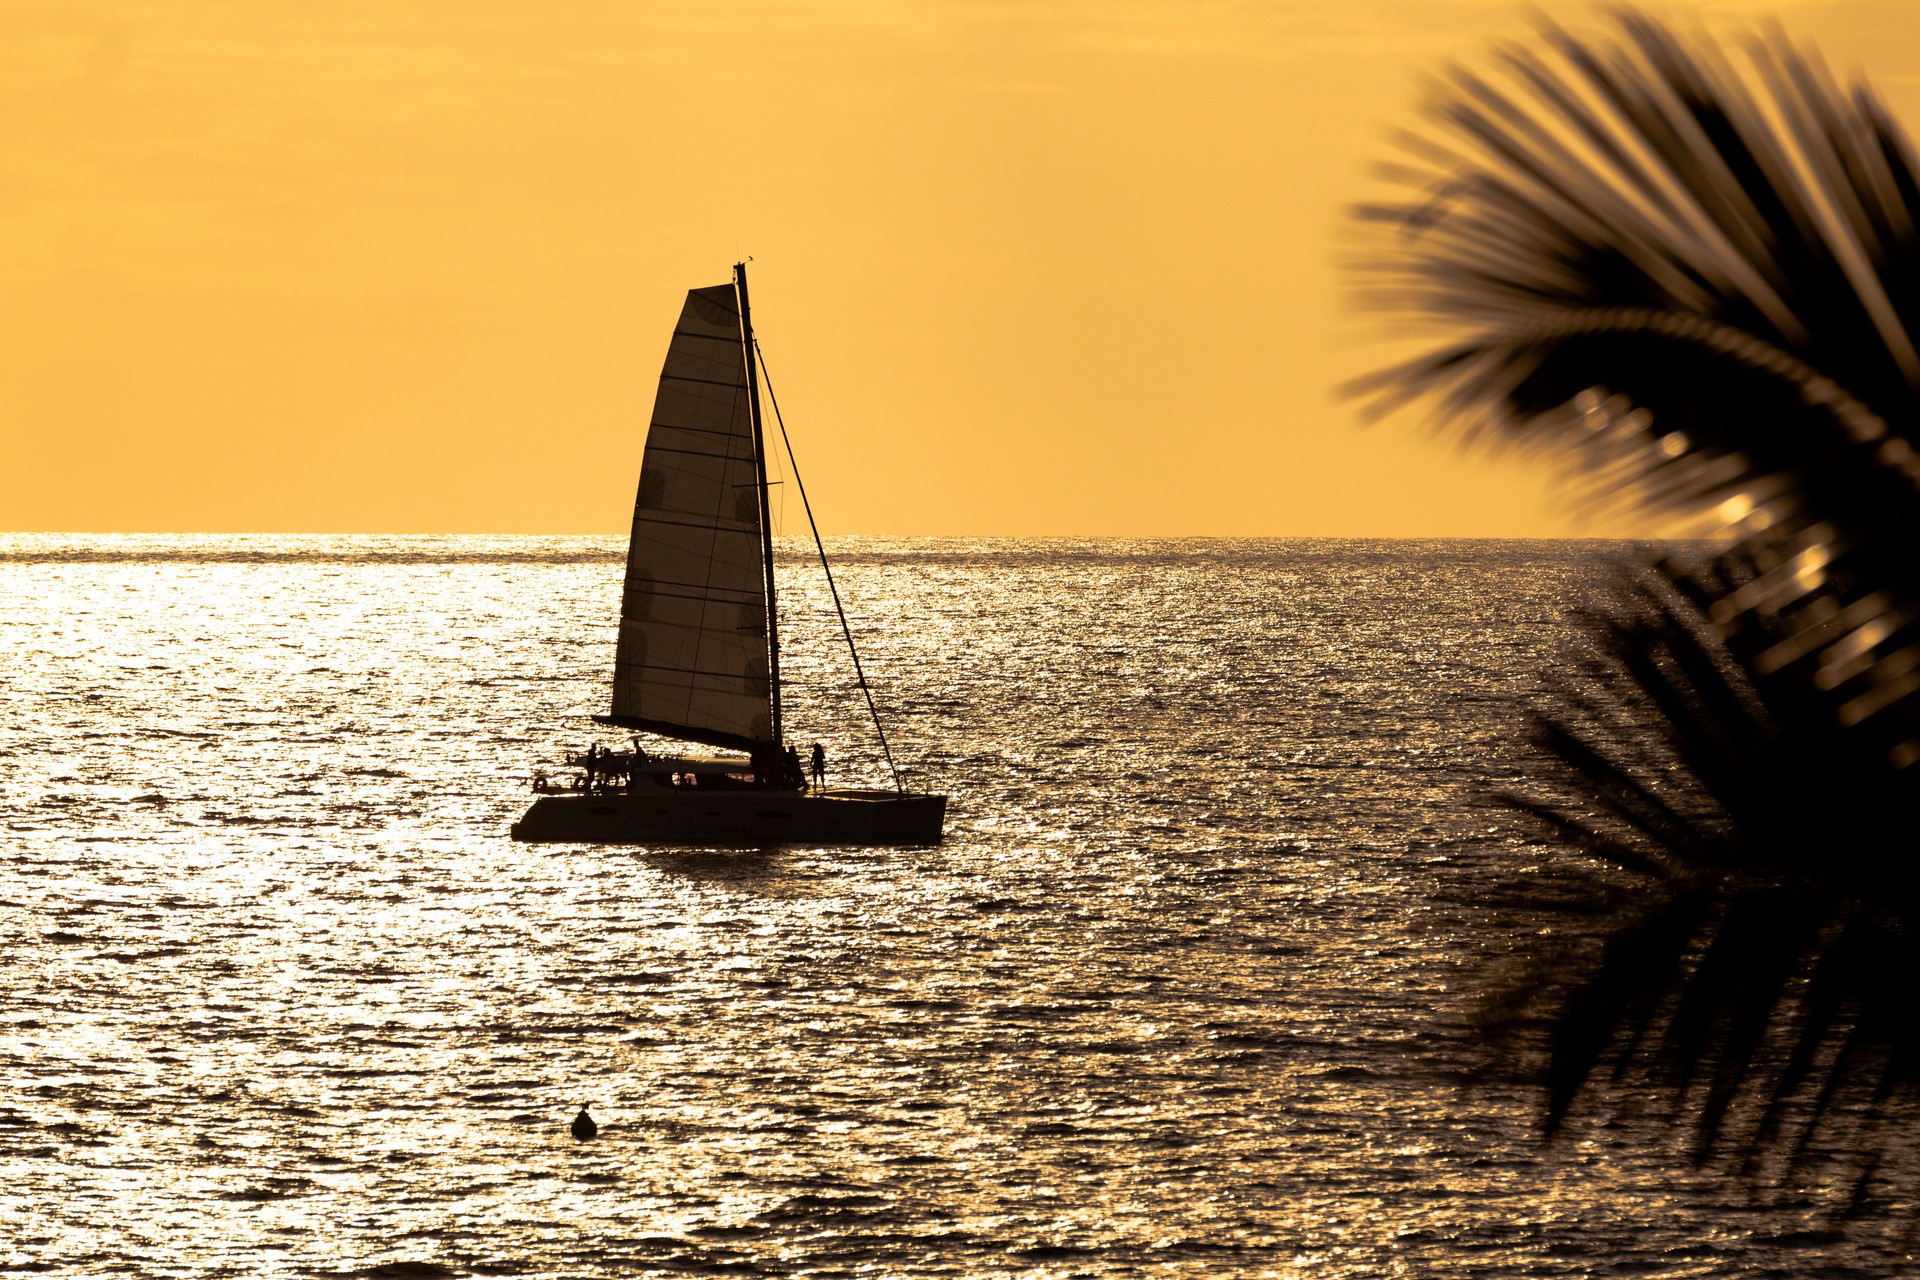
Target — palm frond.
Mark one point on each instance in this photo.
(1765, 958)
(1702, 285)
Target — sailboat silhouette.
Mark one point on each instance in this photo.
(698, 658)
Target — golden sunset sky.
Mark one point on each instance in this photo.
(1018, 267)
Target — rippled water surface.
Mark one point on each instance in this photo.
(1181, 994)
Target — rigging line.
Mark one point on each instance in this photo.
(793, 465)
(773, 461)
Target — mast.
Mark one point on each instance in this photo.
(760, 478)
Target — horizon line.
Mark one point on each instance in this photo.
(1081, 537)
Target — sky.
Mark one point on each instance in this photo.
(1019, 267)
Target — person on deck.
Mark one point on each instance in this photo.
(819, 767)
(766, 764)
(795, 778)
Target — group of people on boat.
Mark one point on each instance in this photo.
(600, 770)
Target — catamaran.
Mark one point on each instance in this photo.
(698, 656)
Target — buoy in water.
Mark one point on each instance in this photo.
(583, 1125)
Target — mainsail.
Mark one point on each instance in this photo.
(692, 660)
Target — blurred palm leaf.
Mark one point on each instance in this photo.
(1703, 286)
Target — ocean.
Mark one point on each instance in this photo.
(1186, 990)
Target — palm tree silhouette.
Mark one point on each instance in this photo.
(1699, 286)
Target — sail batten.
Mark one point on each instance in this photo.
(692, 659)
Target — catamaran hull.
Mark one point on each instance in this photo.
(742, 819)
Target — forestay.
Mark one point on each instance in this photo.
(692, 658)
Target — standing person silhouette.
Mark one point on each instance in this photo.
(819, 767)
